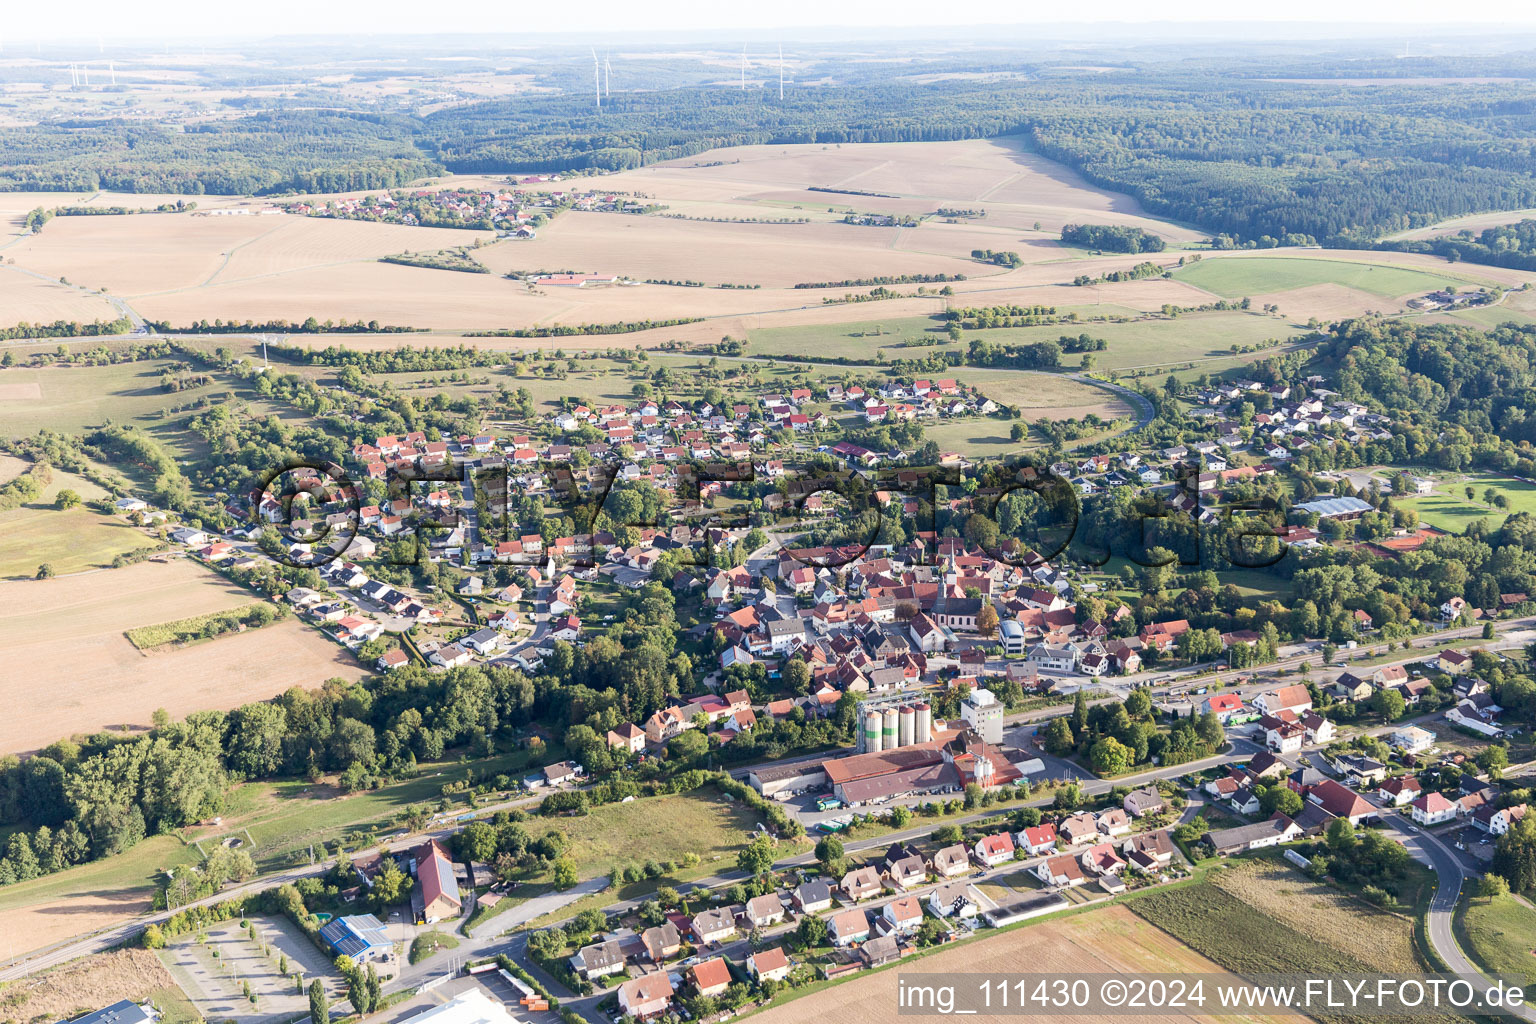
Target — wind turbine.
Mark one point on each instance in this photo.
(597, 79)
(607, 76)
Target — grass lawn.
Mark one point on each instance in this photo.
(129, 875)
(285, 818)
(857, 340)
(655, 828)
(1156, 342)
(69, 540)
(978, 438)
(1140, 343)
(1449, 509)
(1235, 277)
(1500, 934)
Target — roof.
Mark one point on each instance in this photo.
(124, 1011)
(1335, 506)
(469, 1007)
(992, 845)
(434, 870)
(813, 891)
(905, 909)
(850, 922)
(1433, 803)
(763, 906)
(1338, 801)
(1244, 835)
(769, 960)
(711, 973)
(351, 936)
(646, 988)
(1225, 702)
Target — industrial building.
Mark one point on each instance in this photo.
(890, 723)
(983, 712)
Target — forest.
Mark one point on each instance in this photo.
(1260, 162)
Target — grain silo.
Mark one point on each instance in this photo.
(924, 723)
(872, 723)
(889, 738)
(908, 725)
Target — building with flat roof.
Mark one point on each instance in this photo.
(361, 937)
(124, 1011)
(470, 1007)
(983, 712)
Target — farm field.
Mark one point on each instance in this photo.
(1015, 187)
(69, 541)
(138, 256)
(45, 910)
(1500, 935)
(1263, 917)
(41, 301)
(772, 255)
(135, 974)
(1234, 277)
(1106, 940)
(73, 398)
(70, 630)
(1140, 344)
(1381, 940)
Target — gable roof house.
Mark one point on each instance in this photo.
(436, 896)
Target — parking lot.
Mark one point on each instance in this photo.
(216, 983)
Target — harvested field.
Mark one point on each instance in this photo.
(92, 983)
(1106, 940)
(70, 630)
(36, 301)
(772, 255)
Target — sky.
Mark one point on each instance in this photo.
(201, 19)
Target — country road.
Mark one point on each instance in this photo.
(1451, 877)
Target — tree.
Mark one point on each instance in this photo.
(1341, 835)
(565, 872)
(1208, 728)
(1138, 704)
(1110, 756)
(756, 858)
(319, 1005)
(901, 816)
(1059, 741)
(797, 676)
(1282, 798)
(812, 931)
(391, 885)
(1388, 704)
(948, 835)
(1492, 886)
(44, 571)
(986, 619)
(66, 499)
(829, 850)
